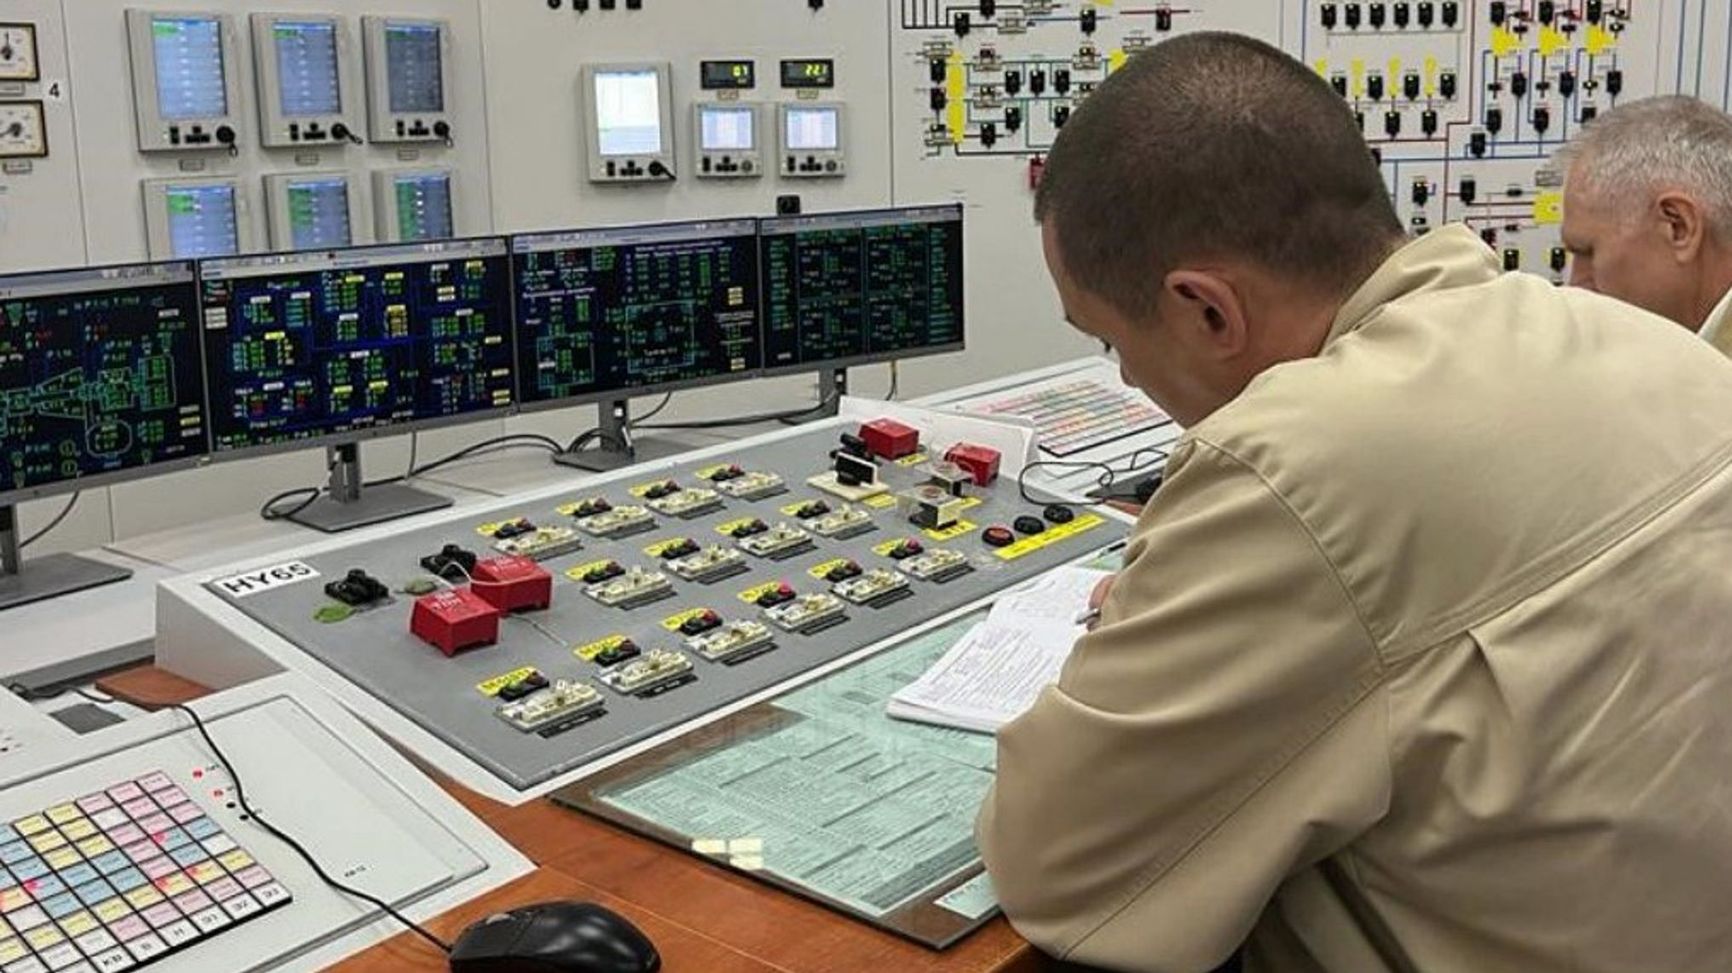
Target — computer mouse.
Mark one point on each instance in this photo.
(555, 937)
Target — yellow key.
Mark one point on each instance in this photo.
(31, 825)
(93, 847)
(13, 898)
(176, 884)
(112, 911)
(206, 872)
(64, 813)
(43, 937)
(62, 858)
(47, 841)
(78, 923)
(144, 897)
(78, 830)
(236, 860)
(12, 949)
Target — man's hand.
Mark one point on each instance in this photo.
(1099, 598)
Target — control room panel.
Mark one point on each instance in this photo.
(544, 637)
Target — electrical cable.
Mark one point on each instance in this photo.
(1130, 465)
(749, 420)
(270, 509)
(59, 519)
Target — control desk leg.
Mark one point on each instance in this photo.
(47, 577)
(348, 503)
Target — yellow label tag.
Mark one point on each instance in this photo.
(491, 687)
(1552, 40)
(1600, 40)
(884, 549)
(1115, 59)
(1358, 74)
(569, 509)
(751, 595)
(588, 652)
(656, 549)
(673, 622)
(1322, 67)
(793, 509)
(1394, 74)
(577, 573)
(912, 459)
(1049, 537)
(642, 489)
(1431, 77)
(1505, 42)
(709, 472)
(969, 503)
(727, 529)
(820, 571)
(488, 530)
(956, 87)
(1549, 208)
(883, 501)
(954, 531)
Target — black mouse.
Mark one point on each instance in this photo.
(555, 937)
(1146, 489)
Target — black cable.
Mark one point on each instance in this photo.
(270, 512)
(751, 420)
(284, 837)
(1131, 465)
(59, 519)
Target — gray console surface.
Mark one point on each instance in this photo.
(448, 697)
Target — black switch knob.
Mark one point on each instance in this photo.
(1410, 87)
(1542, 119)
(1012, 83)
(1427, 12)
(1328, 13)
(1567, 83)
(1614, 82)
(938, 99)
(1421, 192)
(988, 9)
(1037, 82)
(937, 69)
(1499, 12)
(963, 24)
(1352, 16)
(1560, 259)
(1392, 124)
(1428, 122)
(988, 134)
(1340, 83)
(1376, 15)
(1374, 87)
(1547, 11)
(1012, 119)
(1512, 259)
(1061, 81)
(1468, 191)
(1403, 13)
(1476, 144)
(1088, 20)
(1446, 84)
(1451, 14)
(1518, 84)
(1494, 120)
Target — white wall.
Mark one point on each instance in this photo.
(520, 155)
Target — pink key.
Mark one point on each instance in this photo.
(253, 877)
(126, 792)
(171, 797)
(161, 914)
(156, 782)
(129, 928)
(194, 901)
(140, 851)
(95, 803)
(141, 808)
(227, 888)
(156, 824)
(185, 812)
(126, 834)
(158, 867)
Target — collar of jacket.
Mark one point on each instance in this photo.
(1718, 330)
(1443, 259)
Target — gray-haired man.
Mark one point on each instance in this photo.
(1648, 211)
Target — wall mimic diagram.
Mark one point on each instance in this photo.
(1464, 102)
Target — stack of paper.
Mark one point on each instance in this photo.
(995, 672)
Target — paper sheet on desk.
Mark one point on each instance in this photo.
(997, 671)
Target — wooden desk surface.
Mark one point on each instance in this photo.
(703, 919)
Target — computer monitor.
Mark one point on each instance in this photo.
(100, 381)
(334, 347)
(413, 205)
(314, 210)
(845, 289)
(190, 219)
(604, 315)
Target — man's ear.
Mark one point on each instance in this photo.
(1208, 306)
(1682, 221)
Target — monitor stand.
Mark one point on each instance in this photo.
(616, 447)
(48, 577)
(347, 502)
(832, 385)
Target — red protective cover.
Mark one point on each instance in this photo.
(452, 621)
(890, 439)
(513, 584)
(980, 462)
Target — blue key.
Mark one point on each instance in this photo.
(94, 892)
(173, 838)
(78, 874)
(202, 828)
(29, 868)
(15, 851)
(47, 886)
(111, 862)
(62, 906)
(127, 879)
(188, 854)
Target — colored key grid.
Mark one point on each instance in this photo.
(1079, 416)
(120, 879)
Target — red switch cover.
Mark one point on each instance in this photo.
(513, 584)
(890, 439)
(452, 621)
(980, 462)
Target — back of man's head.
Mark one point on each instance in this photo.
(1628, 155)
(1214, 146)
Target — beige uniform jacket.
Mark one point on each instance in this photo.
(1717, 331)
(1446, 610)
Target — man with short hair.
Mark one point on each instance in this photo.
(1420, 658)
(1648, 211)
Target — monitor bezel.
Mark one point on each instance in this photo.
(142, 471)
(875, 358)
(592, 398)
(388, 430)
